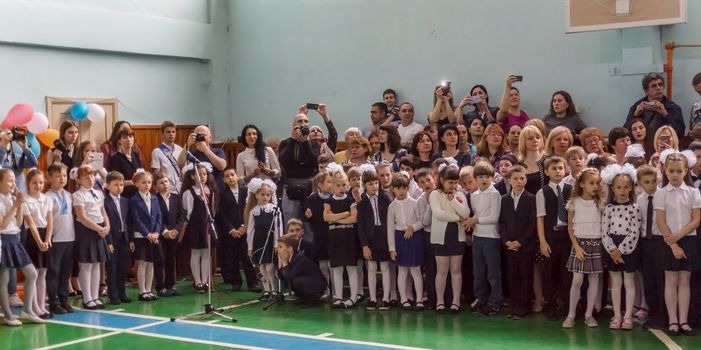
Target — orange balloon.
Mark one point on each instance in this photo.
(48, 137)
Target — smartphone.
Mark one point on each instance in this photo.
(475, 99)
(649, 105)
(519, 77)
(97, 161)
(313, 106)
(665, 138)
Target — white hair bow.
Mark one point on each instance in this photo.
(334, 168)
(191, 166)
(591, 156)
(73, 174)
(256, 183)
(442, 166)
(363, 168)
(611, 171)
(635, 150)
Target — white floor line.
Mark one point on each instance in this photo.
(324, 335)
(78, 341)
(95, 337)
(665, 339)
(196, 341)
(117, 310)
(212, 321)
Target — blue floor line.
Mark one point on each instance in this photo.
(249, 338)
(210, 333)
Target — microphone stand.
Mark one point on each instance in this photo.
(279, 297)
(209, 309)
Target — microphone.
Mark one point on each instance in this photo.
(191, 158)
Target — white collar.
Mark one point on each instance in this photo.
(554, 186)
(669, 187)
(489, 189)
(341, 197)
(146, 197)
(514, 196)
(114, 197)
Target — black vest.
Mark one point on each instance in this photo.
(551, 210)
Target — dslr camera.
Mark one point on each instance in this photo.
(19, 133)
(199, 137)
(59, 145)
(304, 130)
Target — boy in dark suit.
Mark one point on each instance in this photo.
(517, 220)
(170, 204)
(551, 224)
(120, 243)
(229, 220)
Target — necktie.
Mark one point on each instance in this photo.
(561, 211)
(236, 195)
(648, 223)
(119, 212)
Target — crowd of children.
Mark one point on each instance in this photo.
(415, 227)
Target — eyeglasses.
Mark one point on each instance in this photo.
(593, 140)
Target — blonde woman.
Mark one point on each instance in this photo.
(559, 141)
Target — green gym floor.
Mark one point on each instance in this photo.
(142, 325)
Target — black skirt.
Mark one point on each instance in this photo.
(39, 258)
(147, 251)
(690, 245)
(13, 253)
(90, 247)
(631, 262)
(451, 245)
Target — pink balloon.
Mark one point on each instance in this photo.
(19, 114)
(38, 124)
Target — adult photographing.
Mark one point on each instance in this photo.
(199, 145)
(299, 164)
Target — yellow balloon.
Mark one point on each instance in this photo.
(48, 137)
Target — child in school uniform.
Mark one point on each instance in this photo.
(147, 224)
(314, 215)
(405, 241)
(517, 221)
(120, 240)
(505, 163)
(356, 190)
(677, 207)
(372, 231)
(469, 185)
(651, 245)
(424, 178)
(341, 213)
(449, 210)
(584, 228)
(408, 163)
(486, 243)
(263, 226)
(38, 222)
(620, 230)
(555, 245)
(229, 219)
(12, 253)
(195, 226)
(92, 226)
(60, 256)
(576, 159)
(170, 204)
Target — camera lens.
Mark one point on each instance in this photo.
(304, 130)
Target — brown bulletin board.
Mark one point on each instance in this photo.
(591, 15)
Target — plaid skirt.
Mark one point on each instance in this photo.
(593, 261)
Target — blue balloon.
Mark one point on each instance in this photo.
(79, 111)
(33, 144)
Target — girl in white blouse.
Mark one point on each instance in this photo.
(92, 226)
(677, 210)
(584, 228)
(620, 230)
(12, 253)
(449, 209)
(38, 220)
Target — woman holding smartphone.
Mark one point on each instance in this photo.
(665, 138)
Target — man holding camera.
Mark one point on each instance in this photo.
(198, 144)
(16, 161)
(299, 164)
(655, 109)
